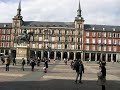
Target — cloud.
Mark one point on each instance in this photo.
(93, 11)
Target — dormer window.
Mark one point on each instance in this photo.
(113, 29)
(103, 29)
(5, 25)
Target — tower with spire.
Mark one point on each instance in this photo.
(79, 20)
(17, 21)
(79, 28)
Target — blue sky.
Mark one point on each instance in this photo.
(105, 12)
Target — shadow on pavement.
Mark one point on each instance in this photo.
(57, 84)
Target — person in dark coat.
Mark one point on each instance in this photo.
(14, 61)
(32, 64)
(3, 60)
(46, 65)
(103, 77)
(23, 63)
(79, 67)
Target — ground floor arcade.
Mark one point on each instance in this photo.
(72, 55)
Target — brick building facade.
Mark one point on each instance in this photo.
(71, 40)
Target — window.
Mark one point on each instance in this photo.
(65, 46)
(65, 31)
(104, 41)
(93, 40)
(52, 31)
(87, 34)
(93, 34)
(109, 41)
(53, 46)
(114, 48)
(87, 47)
(72, 46)
(114, 35)
(93, 47)
(104, 48)
(33, 45)
(78, 39)
(40, 45)
(40, 38)
(59, 38)
(99, 34)
(104, 34)
(109, 48)
(99, 48)
(72, 40)
(59, 31)
(59, 46)
(53, 38)
(87, 40)
(99, 41)
(115, 41)
(78, 46)
(2, 44)
(119, 42)
(109, 35)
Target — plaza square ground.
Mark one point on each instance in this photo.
(59, 77)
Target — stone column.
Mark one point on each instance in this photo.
(112, 57)
(106, 57)
(68, 55)
(55, 55)
(61, 55)
(82, 58)
(95, 56)
(89, 56)
(42, 54)
(4, 51)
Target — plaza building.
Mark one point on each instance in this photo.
(59, 40)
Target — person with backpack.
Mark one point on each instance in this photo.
(23, 63)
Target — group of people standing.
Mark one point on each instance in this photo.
(79, 67)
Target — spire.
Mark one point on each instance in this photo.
(19, 9)
(79, 10)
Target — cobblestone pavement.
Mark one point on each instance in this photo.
(59, 77)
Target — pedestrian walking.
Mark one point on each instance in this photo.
(28, 61)
(14, 61)
(23, 63)
(79, 70)
(46, 65)
(38, 61)
(32, 63)
(102, 75)
(3, 60)
(7, 62)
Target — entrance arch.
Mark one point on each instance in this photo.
(32, 53)
(52, 55)
(45, 54)
(65, 55)
(71, 55)
(39, 54)
(58, 55)
(78, 55)
(86, 56)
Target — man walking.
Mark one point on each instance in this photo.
(79, 70)
(7, 61)
(23, 63)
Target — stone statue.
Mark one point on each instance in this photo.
(25, 37)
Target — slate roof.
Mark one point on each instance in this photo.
(50, 24)
(101, 27)
(5, 25)
(71, 25)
